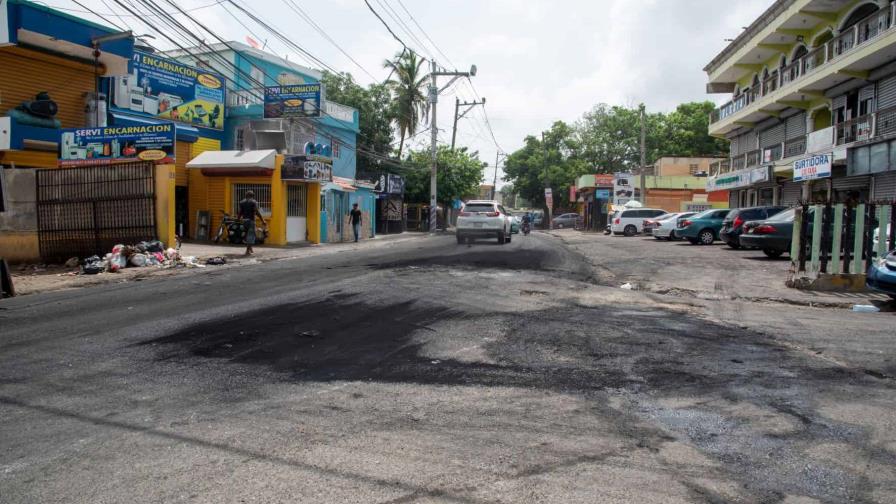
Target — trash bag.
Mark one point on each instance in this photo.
(93, 265)
(215, 261)
(153, 246)
(139, 260)
(117, 262)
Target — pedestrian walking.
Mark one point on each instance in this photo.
(356, 221)
(248, 211)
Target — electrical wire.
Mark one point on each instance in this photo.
(401, 24)
(88, 10)
(97, 14)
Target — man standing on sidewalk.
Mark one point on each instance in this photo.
(356, 221)
(248, 211)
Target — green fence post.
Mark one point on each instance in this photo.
(816, 238)
(795, 238)
(858, 242)
(883, 218)
(835, 244)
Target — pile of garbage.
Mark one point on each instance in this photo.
(141, 255)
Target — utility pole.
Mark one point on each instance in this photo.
(434, 100)
(457, 106)
(495, 179)
(643, 157)
(544, 167)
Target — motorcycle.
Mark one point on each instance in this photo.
(526, 228)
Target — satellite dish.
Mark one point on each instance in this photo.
(472, 70)
(309, 148)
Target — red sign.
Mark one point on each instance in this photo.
(572, 193)
(603, 179)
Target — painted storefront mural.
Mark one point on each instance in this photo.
(166, 89)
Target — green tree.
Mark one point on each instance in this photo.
(376, 113)
(686, 134)
(407, 85)
(459, 175)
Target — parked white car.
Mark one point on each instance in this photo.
(483, 219)
(631, 220)
(666, 224)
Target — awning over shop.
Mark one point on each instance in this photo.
(340, 184)
(235, 163)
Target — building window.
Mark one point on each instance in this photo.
(262, 196)
(335, 146)
(694, 169)
(257, 77)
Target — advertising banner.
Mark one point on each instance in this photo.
(813, 167)
(307, 168)
(623, 190)
(396, 184)
(166, 89)
(301, 100)
(572, 193)
(603, 180)
(90, 146)
(735, 179)
(602, 194)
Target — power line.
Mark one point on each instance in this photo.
(401, 24)
(88, 10)
(304, 15)
(396, 37)
(425, 34)
(97, 14)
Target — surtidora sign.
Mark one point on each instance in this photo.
(813, 167)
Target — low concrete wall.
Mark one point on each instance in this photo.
(18, 225)
(824, 282)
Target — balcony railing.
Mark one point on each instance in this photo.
(855, 130)
(753, 158)
(861, 33)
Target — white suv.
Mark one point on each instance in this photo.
(483, 219)
(631, 220)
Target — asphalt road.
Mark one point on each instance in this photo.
(423, 372)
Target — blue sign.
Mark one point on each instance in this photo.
(300, 100)
(812, 167)
(91, 146)
(170, 90)
(602, 194)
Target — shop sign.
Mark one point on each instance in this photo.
(90, 146)
(306, 168)
(301, 100)
(602, 194)
(396, 184)
(730, 180)
(761, 174)
(812, 167)
(572, 193)
(166, 89)
(603, 180)
(623, 191)
(697, 207)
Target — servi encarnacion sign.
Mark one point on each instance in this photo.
(88, 146)
(812, 167)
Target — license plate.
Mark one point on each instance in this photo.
(478, 224)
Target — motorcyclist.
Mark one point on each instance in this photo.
(527, 222)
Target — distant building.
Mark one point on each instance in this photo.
(681, 166)
(485, 192)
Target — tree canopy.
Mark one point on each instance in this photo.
(606, 139)
(459, 174)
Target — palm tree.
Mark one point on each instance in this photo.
(408, 86)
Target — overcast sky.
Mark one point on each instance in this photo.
(538, 60)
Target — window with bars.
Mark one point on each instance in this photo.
(694, 168)
(240, 140)
(295, 200)
(262, 196)
(335, 146)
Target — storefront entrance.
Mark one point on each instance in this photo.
(296, 213)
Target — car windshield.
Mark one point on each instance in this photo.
(479, 207)
(785, 216)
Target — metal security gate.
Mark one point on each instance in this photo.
(88, 210)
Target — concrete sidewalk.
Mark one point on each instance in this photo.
(714, 272)
(31, 279)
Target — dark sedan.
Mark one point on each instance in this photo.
(772, 236)
(732, 226)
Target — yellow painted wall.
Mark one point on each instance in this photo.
(165, 183)
(312, 212)
(181, 158)
(19, 246)
(66, 81)
(28, 158)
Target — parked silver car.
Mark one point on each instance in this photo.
(567, 220)
(666, 224)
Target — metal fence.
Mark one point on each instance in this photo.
(88, 210)
(841, 238)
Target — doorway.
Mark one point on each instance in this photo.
(296, 213)
(181, 210)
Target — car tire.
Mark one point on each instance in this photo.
(693, 241)
(772, 254)
(630, 230)
(508, 238)
(501, 239)
(706, 237)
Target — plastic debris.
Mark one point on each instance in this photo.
(216, 261)
(627, 286)
(865, 308)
